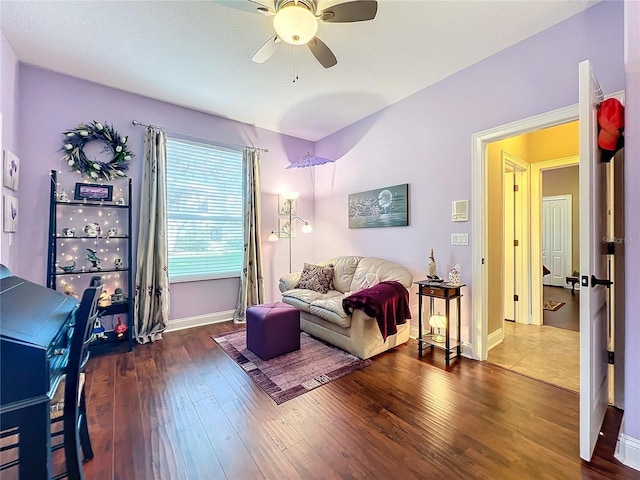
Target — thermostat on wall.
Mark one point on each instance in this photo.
(460, 211)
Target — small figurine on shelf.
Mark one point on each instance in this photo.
(112, 232)
(117, 263)
(432, 269)
(68, 232)
(104, 300)
(68, 268)
(68, 290)
(63, 197)
(120, 201)
(92, 229)
(120, 328)
(454, 275)
(92, 256)
(118, 296)
(98, 330)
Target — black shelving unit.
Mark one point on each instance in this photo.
(56, 275)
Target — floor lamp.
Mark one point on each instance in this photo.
(286, 233)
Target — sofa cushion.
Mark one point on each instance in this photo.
(330, 309)
(302, 298)
(316, 277)
(384, 269)
(343, 269)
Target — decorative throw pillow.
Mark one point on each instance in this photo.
(316, 277)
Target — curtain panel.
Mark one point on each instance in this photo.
(152, 275)
(251, 280)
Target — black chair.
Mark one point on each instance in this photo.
(70, 397)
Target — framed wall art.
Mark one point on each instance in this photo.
(286, 229)
(11, 170)
(93, 192)
(283, 205)
(10, 213)
(382, 207)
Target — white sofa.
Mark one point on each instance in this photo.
(322, 315)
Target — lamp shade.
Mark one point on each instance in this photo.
(438, 321)
(295, 24)
(291, 195)
(306, 228)
(273, 237)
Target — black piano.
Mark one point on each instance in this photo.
(35, 328)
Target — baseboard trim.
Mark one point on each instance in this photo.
(628, 451)
(199, 320)
(495, 338)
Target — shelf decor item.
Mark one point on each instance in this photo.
(92, 229)
(438, 322)
(94, 193)
(73, 146)
(432, 266)
(454, 275)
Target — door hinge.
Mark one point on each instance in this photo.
(515, 298)
(611, 248)
(516, 188)
(611, 357)
(515, 243)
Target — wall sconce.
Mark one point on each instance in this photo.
(290, 198)
(440, 322)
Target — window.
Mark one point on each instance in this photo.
(204, 210)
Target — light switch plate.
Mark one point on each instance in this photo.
(459, 239)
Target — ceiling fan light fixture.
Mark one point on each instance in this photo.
(295, 24)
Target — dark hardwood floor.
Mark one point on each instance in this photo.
(180, 408)
(567, 316)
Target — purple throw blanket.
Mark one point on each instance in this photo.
(387, 302)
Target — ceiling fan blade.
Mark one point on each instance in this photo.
(265, 7)
(266, 50)
(356, 11)
(322, 53)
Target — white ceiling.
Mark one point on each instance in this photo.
(197, 54)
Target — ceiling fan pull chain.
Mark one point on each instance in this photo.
(295, 63)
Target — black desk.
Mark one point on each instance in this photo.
(35, 327)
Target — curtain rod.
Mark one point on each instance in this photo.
(140, 124)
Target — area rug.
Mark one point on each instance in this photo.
(290, 375)
(552, 305)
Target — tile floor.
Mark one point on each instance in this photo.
(542, 352)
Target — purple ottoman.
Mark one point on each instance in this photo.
(273, 329)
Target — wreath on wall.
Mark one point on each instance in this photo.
(77, 138)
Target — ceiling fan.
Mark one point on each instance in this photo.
(296, 22)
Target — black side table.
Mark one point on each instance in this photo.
(446, 292)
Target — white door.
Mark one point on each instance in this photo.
(556, 239)
(593, 297)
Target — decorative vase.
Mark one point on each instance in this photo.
(454, 275)
(431, 265)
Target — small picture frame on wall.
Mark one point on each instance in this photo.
(11, 170)
(93, 192)
(283, 206)
(286, 229)
(10, 214)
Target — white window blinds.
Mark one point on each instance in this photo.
(204, 209)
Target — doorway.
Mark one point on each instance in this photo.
(522, 342)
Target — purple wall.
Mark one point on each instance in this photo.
(632, 226)
(50, 102)
(425, 140)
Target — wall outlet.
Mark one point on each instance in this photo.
(459, 239)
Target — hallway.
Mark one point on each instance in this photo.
(546, 353)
